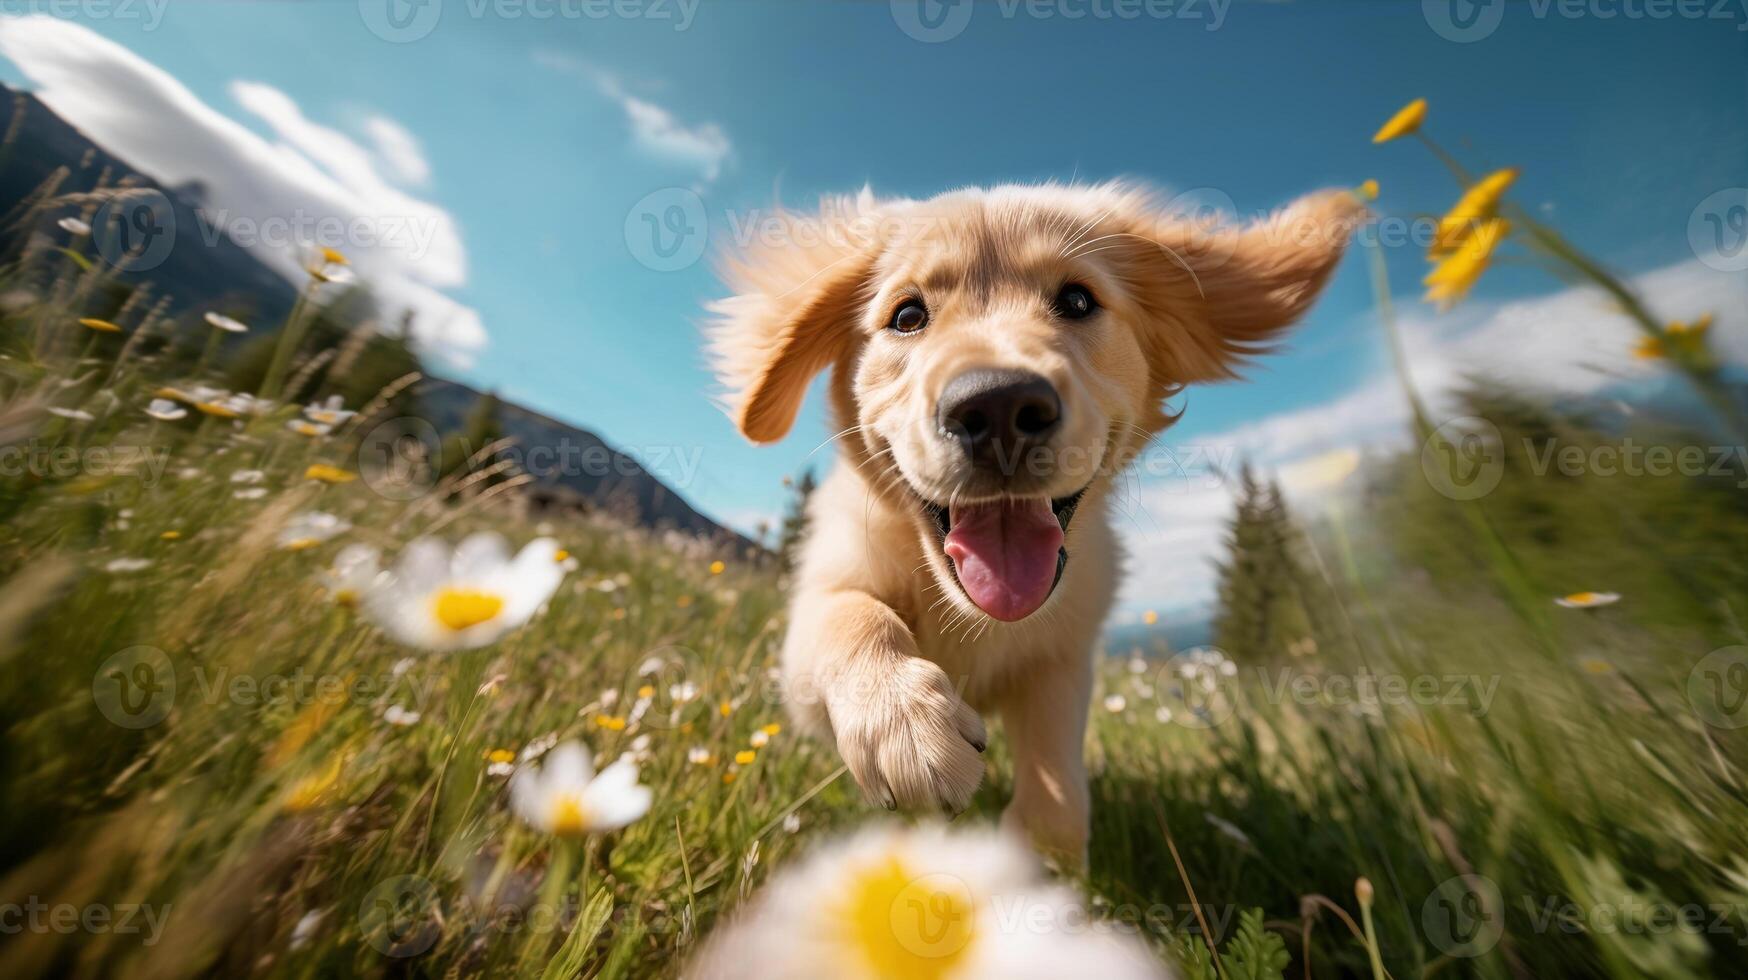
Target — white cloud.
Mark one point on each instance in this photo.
(313, 183)
(1570, 341)
(654, 130)
(399, 149)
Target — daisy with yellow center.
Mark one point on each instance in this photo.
(329, 413)
(1406, 120)
(440, 599)
(923, 903)
(165, 410)
(353, 574)
(309, 529)
(563, 795)
(218, 410)
(1588, 600)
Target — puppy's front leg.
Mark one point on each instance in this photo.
(1045, 722)
(902, 730)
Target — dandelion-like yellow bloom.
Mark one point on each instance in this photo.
(745, 757)
(328, 474)
(727, 777)
(1405, 121)
(1367, 191)
(1452, 278)
(929, 944)
(772, 729)
(312, 790)
(1472, 210)
(716, 567)
(1150, 617)
(725, 709)
(170, 535)
(1679, 338)
(101, 326)
(612, 723)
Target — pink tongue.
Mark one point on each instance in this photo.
(1005, 554)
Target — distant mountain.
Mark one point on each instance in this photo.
(575, 462)
(201, 269)
(198, 270)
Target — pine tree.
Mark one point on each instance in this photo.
(794, 525)
(1267, 598)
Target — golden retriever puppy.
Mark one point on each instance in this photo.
(997, 357)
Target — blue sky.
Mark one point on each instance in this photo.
(528, 142)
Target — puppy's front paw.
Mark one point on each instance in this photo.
(908, 738)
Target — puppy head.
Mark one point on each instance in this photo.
(999, 354)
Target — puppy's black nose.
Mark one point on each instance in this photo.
(997, 416)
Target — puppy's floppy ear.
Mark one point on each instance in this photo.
(1217, 297)
(798, 294)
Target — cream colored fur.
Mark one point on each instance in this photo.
(885, 655)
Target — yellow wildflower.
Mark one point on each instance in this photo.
(101, 326)
(772, 729)
(716, 567)
(1405, 121)
(612, 723)
(1452, 278)
(1367, 191)
(170, 535)
(1472, 210)
(745, 757)
(328, 474)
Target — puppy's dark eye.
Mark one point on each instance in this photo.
(1075, 302)
(910, 317)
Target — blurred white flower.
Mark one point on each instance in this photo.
(227, 324)
(329, 413)
(1162, 714)
(698, 755)
(73, 226)
(251, 493)
(565, 796)
(1588, 600)
(128, 565)
(1115, 703)
(1137, 665)
(351, 577)
(304, 427)
(759, 739)
(453, 600)
(792, 823)
(684, 692)
(166, 410)
(311, 528)
(919, 902)
(75, 414)
(305, 928)
(397, 715)
(248, 476)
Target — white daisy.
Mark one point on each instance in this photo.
(311, 528)
(443, 600)
(165, 410)
(919, 902)
(684, 692)
(71, 413)
(330, 413)
(397, 715)
(350, 579)
(1588, 600)
(565, 796)
(227, 324)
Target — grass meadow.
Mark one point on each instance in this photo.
(217, 762)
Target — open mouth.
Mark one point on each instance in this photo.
(1007, 554)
